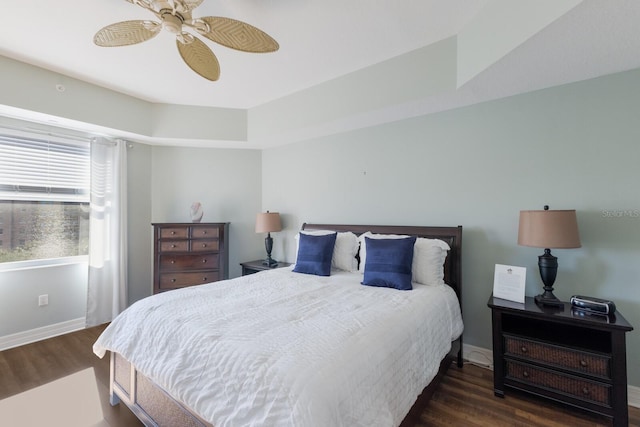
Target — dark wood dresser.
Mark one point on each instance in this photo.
(562, 354)
(188, 254)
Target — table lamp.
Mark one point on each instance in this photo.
(267, 222)
(548, 229)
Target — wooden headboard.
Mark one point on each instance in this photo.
(451, 235)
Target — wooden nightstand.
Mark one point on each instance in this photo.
(561, 354)
(251, 267)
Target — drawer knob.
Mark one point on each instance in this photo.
(583, 363)
(173, 280)
(525, 374)
(173, 232)
(173, 245)
(204, 245)
(204, 231)
(523, 349)
(204, 260)
(585, 391)
(173, 261)
(204, 279)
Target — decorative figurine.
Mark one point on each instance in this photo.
(196, 212)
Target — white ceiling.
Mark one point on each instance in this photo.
(319, 41)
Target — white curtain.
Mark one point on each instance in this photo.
(107, 292)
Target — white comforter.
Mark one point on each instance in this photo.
(279, 348)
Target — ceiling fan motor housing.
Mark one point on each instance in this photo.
(171, 22)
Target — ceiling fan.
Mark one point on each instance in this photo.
(175, 17)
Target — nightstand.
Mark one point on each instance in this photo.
(562, 354)
(251, 267)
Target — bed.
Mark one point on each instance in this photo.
(305, 349)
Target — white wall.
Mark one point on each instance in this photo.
(140, 244)
(225, 181)
(32, 91)
(66, 286)
(571, 147)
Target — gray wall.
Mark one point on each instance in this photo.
(225, 181)
(140, 245)
(65, 284)
(572, 147)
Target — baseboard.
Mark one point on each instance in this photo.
(478, 356)
(484, 357)
(633, 396)
(33, 335)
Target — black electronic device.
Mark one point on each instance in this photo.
(592, 304)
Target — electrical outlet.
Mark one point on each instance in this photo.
(43, 300)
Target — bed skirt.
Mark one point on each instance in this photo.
(155, 407)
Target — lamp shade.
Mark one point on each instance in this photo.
(267, 222)
(552, 229)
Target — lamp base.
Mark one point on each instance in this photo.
(268, 245)
(270, 262)
(548, 299)
(548, 266)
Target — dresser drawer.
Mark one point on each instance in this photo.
(203, 232)
(174, 246)
(571, 359)
(204, 245)
(174, 232)
(190, 262)
(573, 386)
(180, 280)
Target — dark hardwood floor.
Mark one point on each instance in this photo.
(464, 398)
(38, 364)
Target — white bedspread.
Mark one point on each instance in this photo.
(279, 348)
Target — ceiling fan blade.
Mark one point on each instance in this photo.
(199, 58)
(126, 33)
(146, 4)
(186, 5)
(238, 35)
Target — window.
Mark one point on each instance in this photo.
(44, 197)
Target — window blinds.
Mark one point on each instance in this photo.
(41, 169)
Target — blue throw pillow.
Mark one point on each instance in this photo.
(388, 263)
(315, 253)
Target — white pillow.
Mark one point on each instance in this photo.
(344, 252)
(427, 267)
(429, 256)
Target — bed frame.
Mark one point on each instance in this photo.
(155, 407)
